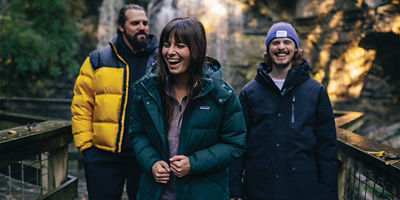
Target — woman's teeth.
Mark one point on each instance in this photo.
(173, 61)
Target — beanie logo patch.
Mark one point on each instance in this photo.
(281, 33)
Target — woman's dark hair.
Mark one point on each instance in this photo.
(122, 17)
(191, 32)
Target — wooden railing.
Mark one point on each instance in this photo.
(367, 169)
(363, 172)
(43, 149)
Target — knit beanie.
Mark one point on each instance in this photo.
(281, 30)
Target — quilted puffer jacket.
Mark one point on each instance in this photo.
(101, 96)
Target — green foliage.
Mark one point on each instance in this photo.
(38, 42)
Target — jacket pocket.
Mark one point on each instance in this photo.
(302, 166)
(303, 179)
(214, 185)
(147, 187)
(258, 182)
(89, 153)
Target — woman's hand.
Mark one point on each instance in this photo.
(161, 171)
(180, 165)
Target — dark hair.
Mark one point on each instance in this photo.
(121, 14)
(297, 59)
(191, 32)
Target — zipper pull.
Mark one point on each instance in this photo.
(293, 100)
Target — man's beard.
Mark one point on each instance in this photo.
(137, 43)
(282, 66)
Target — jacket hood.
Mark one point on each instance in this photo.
(213, 68)
(152, 44)
(296, 75)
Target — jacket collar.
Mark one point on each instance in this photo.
(212, 69)
(296, 75)
(151, 85)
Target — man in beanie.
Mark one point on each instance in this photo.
(101, 104)
(291, 141)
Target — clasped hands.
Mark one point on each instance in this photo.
(179, 165)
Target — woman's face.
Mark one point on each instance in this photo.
(177, 56)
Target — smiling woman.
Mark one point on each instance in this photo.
(177, 56)
(187, 123)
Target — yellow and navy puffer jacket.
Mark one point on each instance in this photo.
(100, 99)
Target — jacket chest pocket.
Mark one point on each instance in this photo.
(293, 111)
(201, 116)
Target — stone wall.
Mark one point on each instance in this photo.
(353, 47)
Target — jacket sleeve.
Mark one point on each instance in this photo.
(326, 150)
(237, 167)
(82, 107)
(145, 153)
(231, 141)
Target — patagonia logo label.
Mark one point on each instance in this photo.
(281, 33)
(205, 107)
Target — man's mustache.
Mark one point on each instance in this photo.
(141, 32)
(279, 51)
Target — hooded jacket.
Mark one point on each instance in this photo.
(291, 140)
(212, 135)
(101, 91)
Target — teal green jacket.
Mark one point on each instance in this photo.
(212, 136)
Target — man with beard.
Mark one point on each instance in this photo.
(101, 104)
(291, 137)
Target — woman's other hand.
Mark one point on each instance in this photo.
(161, 171)
(180, 165)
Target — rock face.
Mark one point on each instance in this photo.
(346, 42)
(343, 40)
(353, 46)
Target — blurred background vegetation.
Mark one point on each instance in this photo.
(39, 42)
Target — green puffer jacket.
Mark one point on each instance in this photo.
(212, 136)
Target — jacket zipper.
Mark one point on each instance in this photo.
(293, 100)
(124, 101)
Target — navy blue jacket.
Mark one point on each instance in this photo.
(291, 142)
